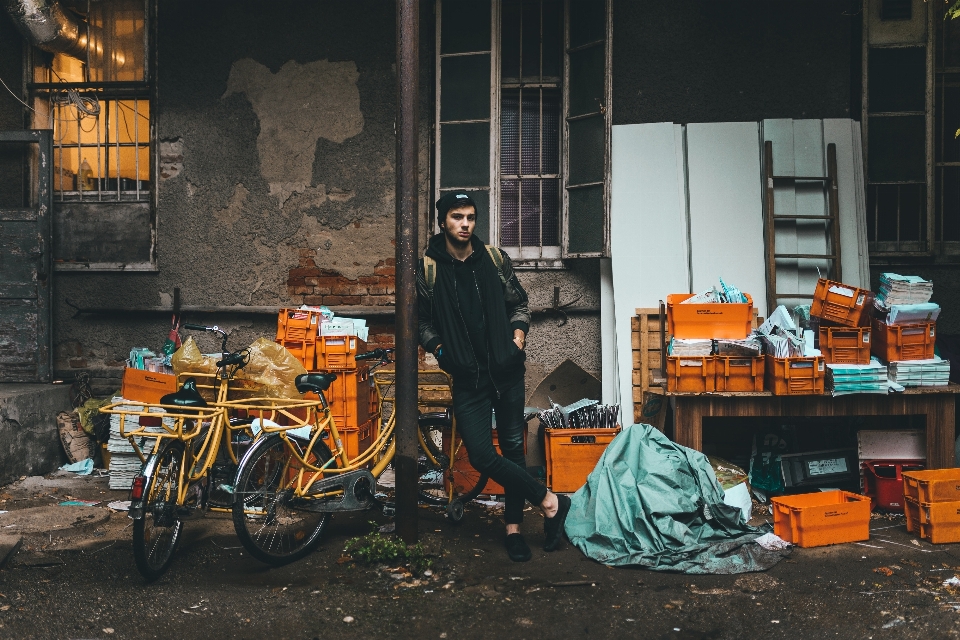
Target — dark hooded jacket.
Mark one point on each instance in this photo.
(473, 313)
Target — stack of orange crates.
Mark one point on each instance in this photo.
(932, 501)
(842, 316)
(297, 331)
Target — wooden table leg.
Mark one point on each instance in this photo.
(688, 422)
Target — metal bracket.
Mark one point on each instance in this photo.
(558, 309)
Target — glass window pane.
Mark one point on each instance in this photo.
(897, 79)
(531, 41)
(510, 131)
(587, 150)
(912, 218)
(887, 212)
(949, 116)
(552, 38)
(550, 220)
(587, 21)
(586, 80)
(896, 145)
(510, 213)
(465, 155)
(465, 88)
(551, 131)
(530, 131)
(465, 26)
(585, 220)
(510, 42)
(530, 213)
(949, 204)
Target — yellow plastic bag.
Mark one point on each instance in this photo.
(188, 359)
(273, 368)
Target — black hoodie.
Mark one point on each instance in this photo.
(473, 313)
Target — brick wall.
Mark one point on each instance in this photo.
(309, 284)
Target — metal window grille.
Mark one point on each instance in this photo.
(947, 122)
(101, 147)
(530, 116)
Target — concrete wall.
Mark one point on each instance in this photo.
(29, 440)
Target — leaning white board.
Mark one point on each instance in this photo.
(854, 259)
(648, 231)
(726, 208)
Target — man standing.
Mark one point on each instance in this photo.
(474, 318)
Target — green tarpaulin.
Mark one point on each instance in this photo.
(650, 502)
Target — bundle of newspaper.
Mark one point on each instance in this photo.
(748, 347)
(898, 289)
(844, 379)
(920, 373)
(690, 347)
(782, 339)
(124, 462)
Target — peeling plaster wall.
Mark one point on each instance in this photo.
(275, 154)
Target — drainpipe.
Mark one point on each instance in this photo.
(405, 458)
(51, 27)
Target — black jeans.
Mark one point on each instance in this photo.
(472, 408)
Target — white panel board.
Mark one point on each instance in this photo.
(648, 230)
(854, 261)
(609, 380)
(726, 207)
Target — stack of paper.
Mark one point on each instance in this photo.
(913, 313)
(748, 347)
(920, 373)
(124, 462)
(897, 289)
(843, 379)
(690, 347)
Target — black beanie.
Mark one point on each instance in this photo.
(452, 200)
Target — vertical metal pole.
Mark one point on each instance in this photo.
(405, 460)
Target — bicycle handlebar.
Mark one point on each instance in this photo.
(195, 327)
(238, 358)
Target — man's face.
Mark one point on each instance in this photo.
(459, 224)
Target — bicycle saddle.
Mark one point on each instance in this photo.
(187, 396)
(315, 382)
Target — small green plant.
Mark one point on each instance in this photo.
(375, 548)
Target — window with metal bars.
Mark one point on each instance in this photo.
(531, 42)
(98, 106)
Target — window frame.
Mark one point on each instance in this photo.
(145, 89)
(555, 255)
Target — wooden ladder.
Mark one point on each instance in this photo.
(831, 219)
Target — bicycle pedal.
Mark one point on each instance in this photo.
(389, 510)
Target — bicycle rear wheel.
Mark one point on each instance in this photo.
(445, 474)
(272, 525)
(157, 534)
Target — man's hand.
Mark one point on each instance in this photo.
(519, 339)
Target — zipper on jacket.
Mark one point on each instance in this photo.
(486, 343)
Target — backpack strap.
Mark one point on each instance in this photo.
(430, 268)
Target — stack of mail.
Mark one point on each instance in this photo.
(913, 313)
(897, 289)
(781, 338)
(726, 293)
(124, 462)
(843, 379)
(920, 373)
(690, 347)
(748, 347)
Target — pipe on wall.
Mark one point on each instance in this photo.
(50, 26)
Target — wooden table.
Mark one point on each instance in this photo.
(936, 404)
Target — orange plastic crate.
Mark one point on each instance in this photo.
(737, 373)
(794, 376)
(355, 440)
(338, 353)
(932, 485)
(840, 303)
(904, 341)
(845, 345)
(348, 397)
(572, 454)
(297, 324)
(146, 386)
(822, 518)
(911, 509)
(717, 320)
(692, 374)
(303, 350)
(939, 521)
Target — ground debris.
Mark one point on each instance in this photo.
(887, 571)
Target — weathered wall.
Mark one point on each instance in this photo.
(11, 114)
(700, 61)
(276, 150)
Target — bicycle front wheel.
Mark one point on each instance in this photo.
(273, 525)
(157, 534)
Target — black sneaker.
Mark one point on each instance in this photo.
(553, 527)
(517, 548)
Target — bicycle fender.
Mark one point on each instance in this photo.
(136, 506)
